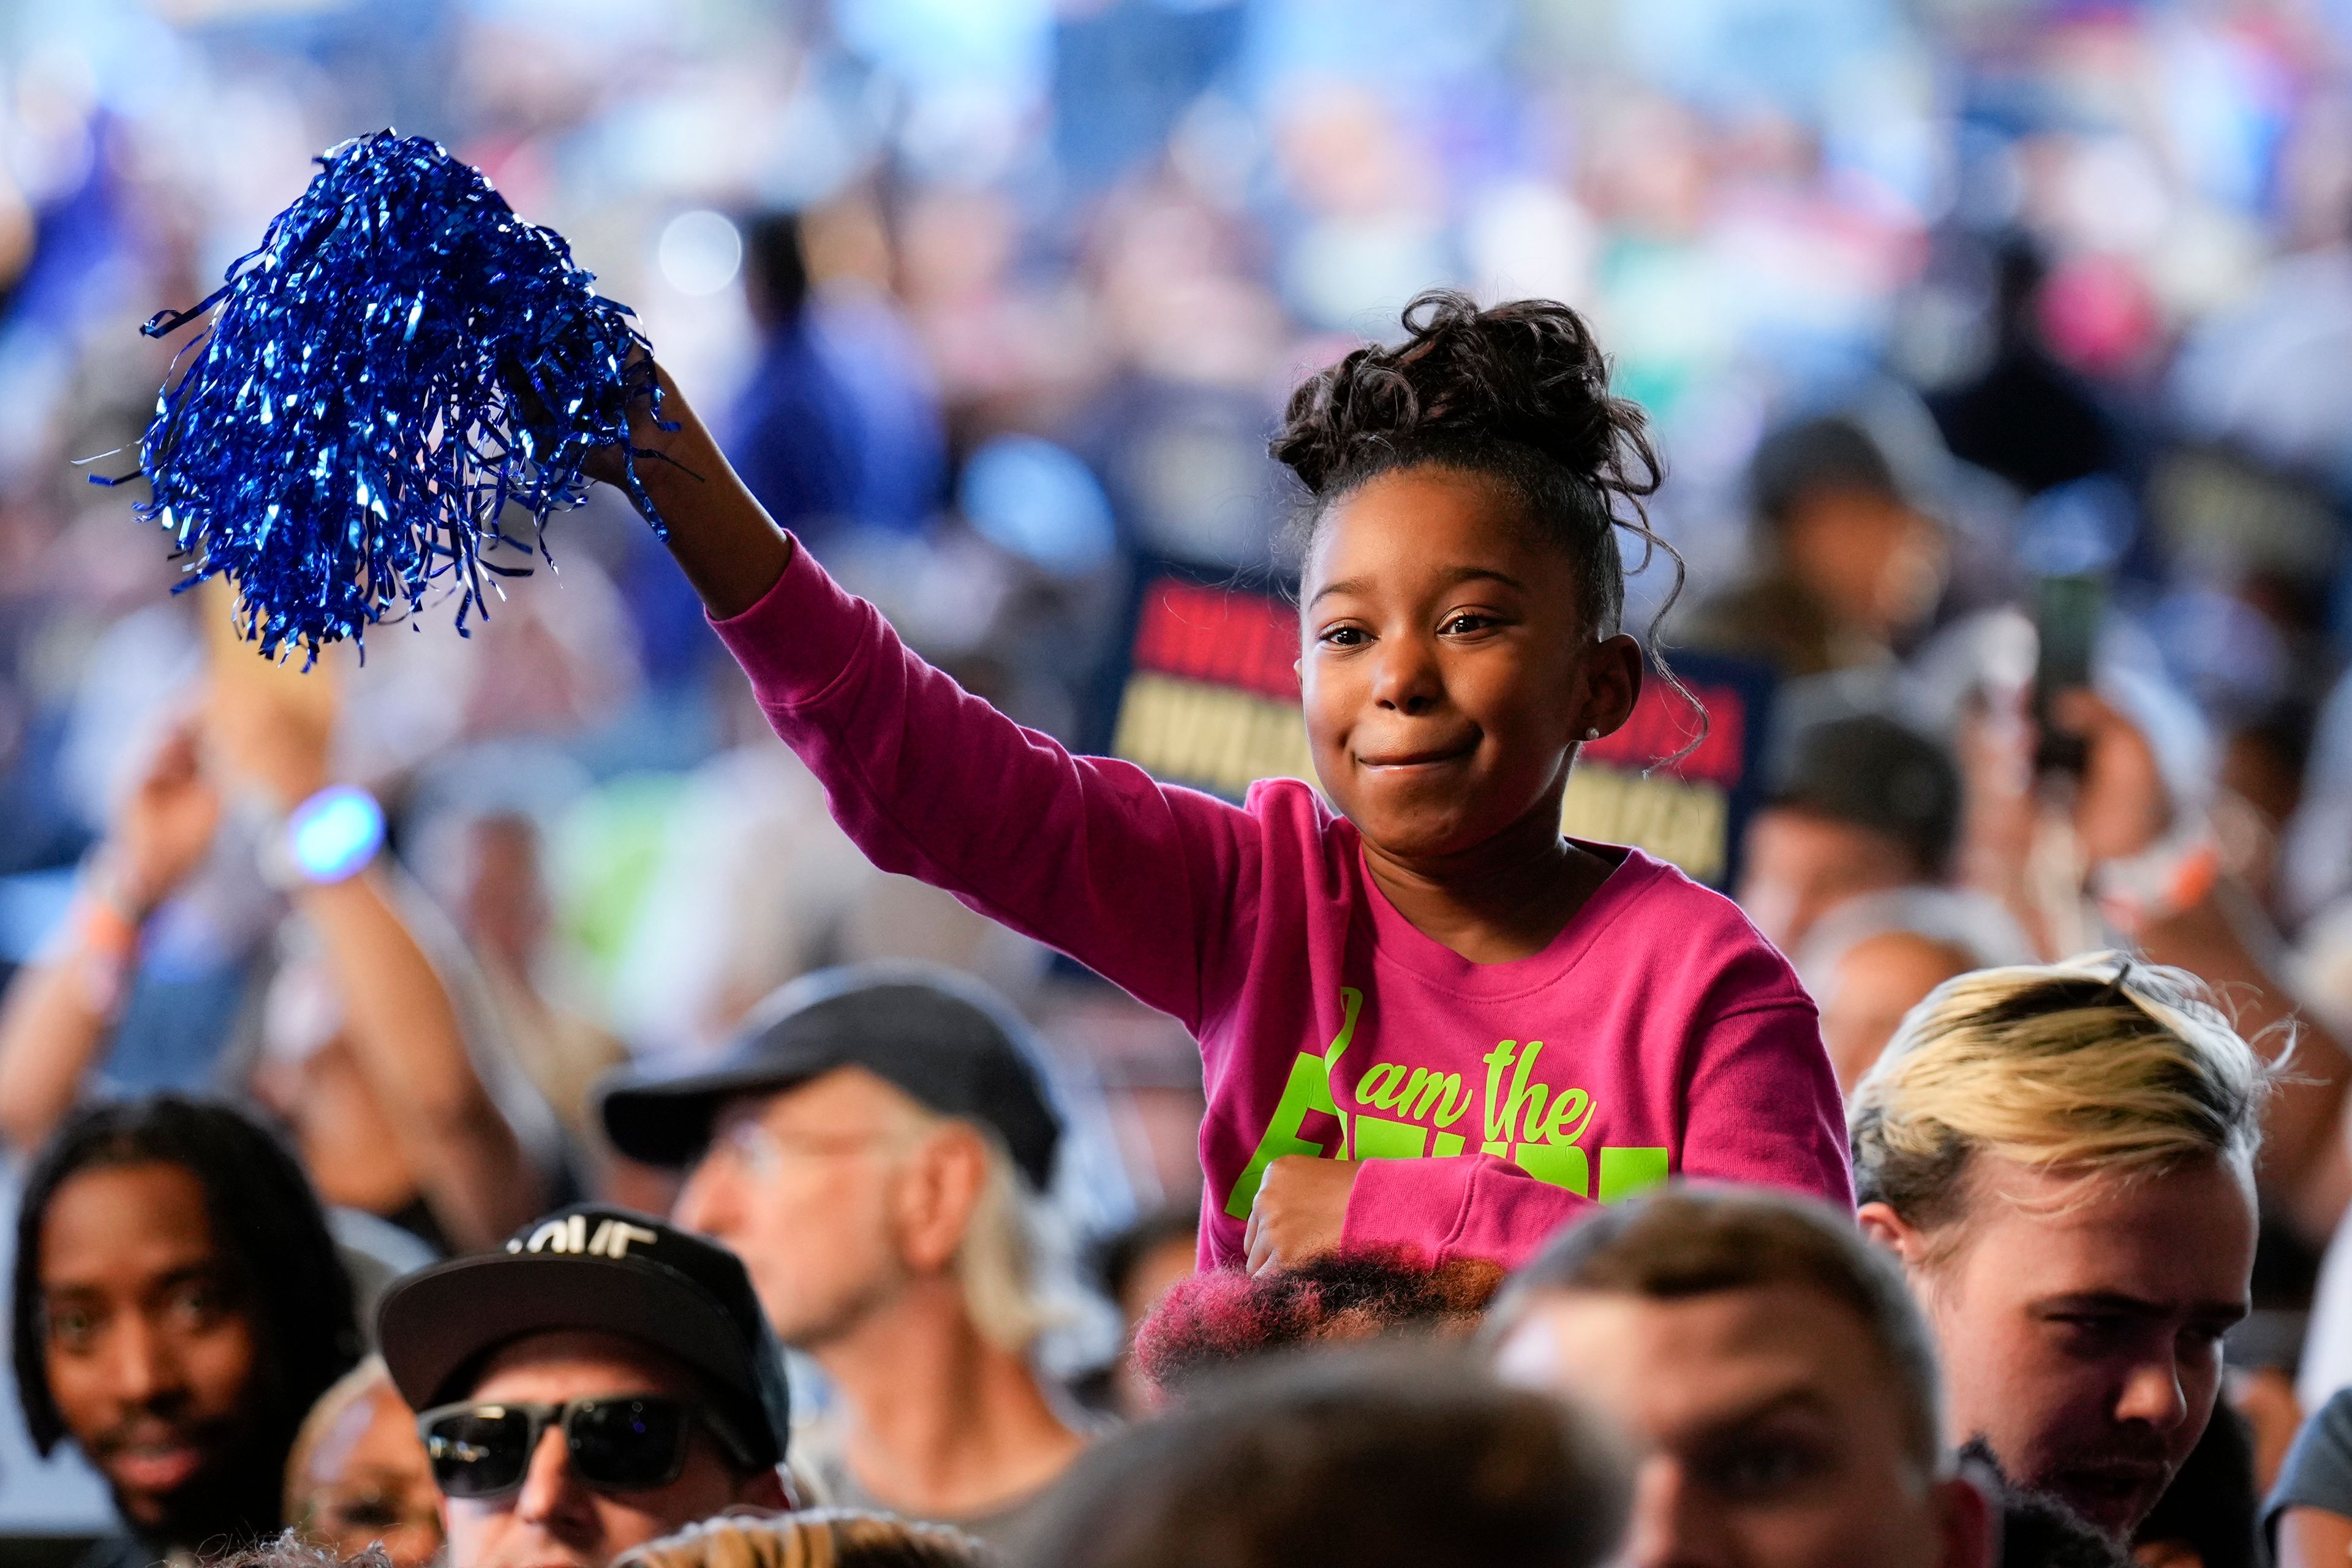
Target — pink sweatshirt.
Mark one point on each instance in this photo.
(1657, 1035)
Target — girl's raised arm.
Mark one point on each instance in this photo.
(730, 548)
(1144, 884)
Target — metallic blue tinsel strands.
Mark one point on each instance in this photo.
(400, 360)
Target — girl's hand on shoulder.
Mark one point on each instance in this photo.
(1301, 1209)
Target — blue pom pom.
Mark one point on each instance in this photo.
(400, 360)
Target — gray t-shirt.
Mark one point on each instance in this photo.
(2318, 1468)
(1003, 1529)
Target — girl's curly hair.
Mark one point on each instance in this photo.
(1225, 1316)
(1519, 395)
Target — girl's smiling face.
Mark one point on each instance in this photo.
(1447, 673)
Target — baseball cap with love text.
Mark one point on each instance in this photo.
(599, 1267)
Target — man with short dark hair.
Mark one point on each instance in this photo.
(1372, 1454)
(1774, 1373)
(605, 1381)
(872, 1148)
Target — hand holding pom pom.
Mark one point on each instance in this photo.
(399, 360)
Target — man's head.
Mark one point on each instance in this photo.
(877, 1132)
(179, 1304)
(1873, 959)
(2061, 1156)
(1353, 1455)
(1863, 803)
(358, 1474)
(1773, 1371)
(1839, 519)
(562, 1508)
(776, 271)
(843, 1538)
(603, 1381)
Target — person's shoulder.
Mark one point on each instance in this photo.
(1687, 925)
(1294, 810)
(1664, 889)
(1769, 618)
(1286, 828)
(2334, 1422)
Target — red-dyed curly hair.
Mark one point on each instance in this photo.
(1225, 1316)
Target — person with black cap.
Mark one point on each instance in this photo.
(872, 1147)
(605, 1381)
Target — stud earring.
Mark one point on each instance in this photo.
(1593, 734)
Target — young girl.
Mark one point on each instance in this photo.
(1427, 1018)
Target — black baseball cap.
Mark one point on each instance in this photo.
(594, 1265)
(1877, 773)
(940, 1036)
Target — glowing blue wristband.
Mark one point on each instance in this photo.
(331, 836)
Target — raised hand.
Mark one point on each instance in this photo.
(165, 825)
(275, 741)
(2122, 806)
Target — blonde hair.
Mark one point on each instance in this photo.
(2098, 1063)
(816, 1538)
(998, 1264)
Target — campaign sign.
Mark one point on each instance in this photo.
(1210, 699)
(1210, 696)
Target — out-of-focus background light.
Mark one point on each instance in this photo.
(700, 252)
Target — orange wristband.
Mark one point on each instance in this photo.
(108, 941)
(2173, 875)
(107, 931)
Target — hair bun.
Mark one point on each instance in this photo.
(1527, 372)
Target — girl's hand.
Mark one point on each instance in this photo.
(730, 549)
(1302, 1204)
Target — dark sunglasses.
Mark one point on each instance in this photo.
(624, 1444)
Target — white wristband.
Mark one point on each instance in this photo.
(330, 837)
(2171, 875)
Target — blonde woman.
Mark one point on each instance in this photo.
(2061, 1156)
(818, 1538)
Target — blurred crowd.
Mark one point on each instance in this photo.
(2000, 355)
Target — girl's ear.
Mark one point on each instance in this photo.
(1612, 684)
